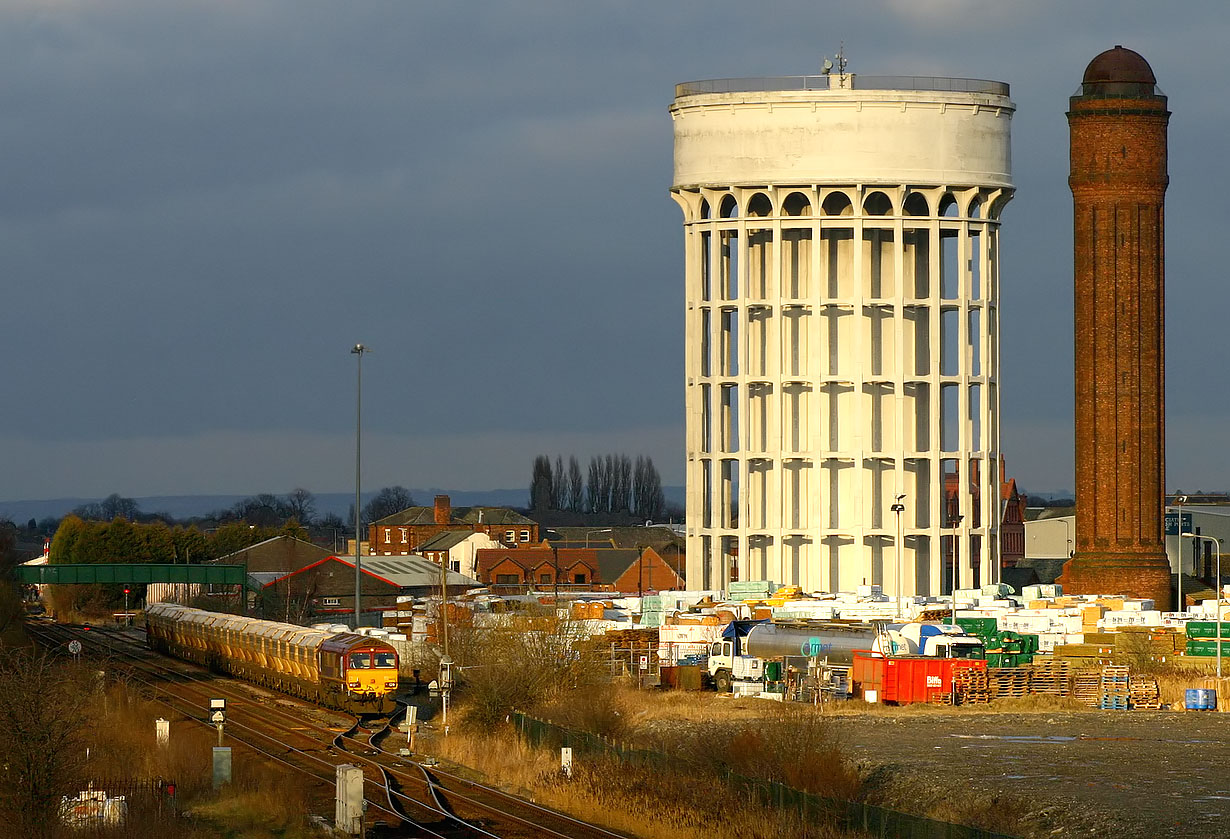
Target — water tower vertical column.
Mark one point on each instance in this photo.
(842, 293)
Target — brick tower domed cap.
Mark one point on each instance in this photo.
(1118, 70)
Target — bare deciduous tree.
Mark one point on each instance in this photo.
(301, 505)
(388, 501)
(44, 707)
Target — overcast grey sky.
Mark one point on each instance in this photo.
(204, 205)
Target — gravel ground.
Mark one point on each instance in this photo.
(1115, 774)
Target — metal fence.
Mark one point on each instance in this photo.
(878, 822)
(836, 81)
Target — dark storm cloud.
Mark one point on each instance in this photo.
(204, 204)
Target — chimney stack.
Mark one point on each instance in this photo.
(444, 509)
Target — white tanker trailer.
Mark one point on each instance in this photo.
(746, 645)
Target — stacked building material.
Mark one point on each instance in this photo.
(1087, 687)
(1144, 693)
(1053, 678)
(1202, 638)
(970, 686)
(1114, 689)
(1007, 682)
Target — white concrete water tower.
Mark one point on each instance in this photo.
(842, 239)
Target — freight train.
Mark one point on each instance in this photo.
(346, 671)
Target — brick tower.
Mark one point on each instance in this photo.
(1118, 180)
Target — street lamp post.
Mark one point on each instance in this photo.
(956, 556)
(358, 351)
(899, 508)
(600, 530)
(1217, 554)
(1180, 500)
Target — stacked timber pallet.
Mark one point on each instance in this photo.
(1008, 682)
(1114, 689)
(1144, 693)
(1087, 687)
(970, 686)
(1051, 678)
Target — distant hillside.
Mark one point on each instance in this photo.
(188, 506)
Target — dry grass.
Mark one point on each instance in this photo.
(715, 737)
(1174, 684)
(642, 802)
(113, 744)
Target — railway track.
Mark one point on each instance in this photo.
(409, 797)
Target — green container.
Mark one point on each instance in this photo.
(984, 628)
(773, 671)
(1207, 629)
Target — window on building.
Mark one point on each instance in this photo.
(405, 535)
(331, 601)
(506, 579)
(388, 535)
(525, 536)
(510, 536)
(578, 578)
(544, 578)
(455, 566)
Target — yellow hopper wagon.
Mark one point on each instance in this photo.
(346, 671)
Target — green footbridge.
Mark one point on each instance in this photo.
(132, 574)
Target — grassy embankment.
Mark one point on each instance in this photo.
(63, 728)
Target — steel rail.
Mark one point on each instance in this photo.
(329, 777)
(438, 807)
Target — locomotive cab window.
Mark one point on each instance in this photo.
(386, 659)
(360, 661)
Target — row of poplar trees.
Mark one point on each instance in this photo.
(612, 483)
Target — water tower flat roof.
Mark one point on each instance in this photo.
(850, 81)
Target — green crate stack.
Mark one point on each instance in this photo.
(1207, 646)
(1207, 629)
(1009, 659)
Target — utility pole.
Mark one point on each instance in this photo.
(444, 602)
(358, 350)
(555, 575)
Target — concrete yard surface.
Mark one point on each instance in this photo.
(1126, 774)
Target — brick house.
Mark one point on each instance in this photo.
(629, 571)
(521, 568)
(1012, 521)
(458, 548)
(623, 570)
(404, 532)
